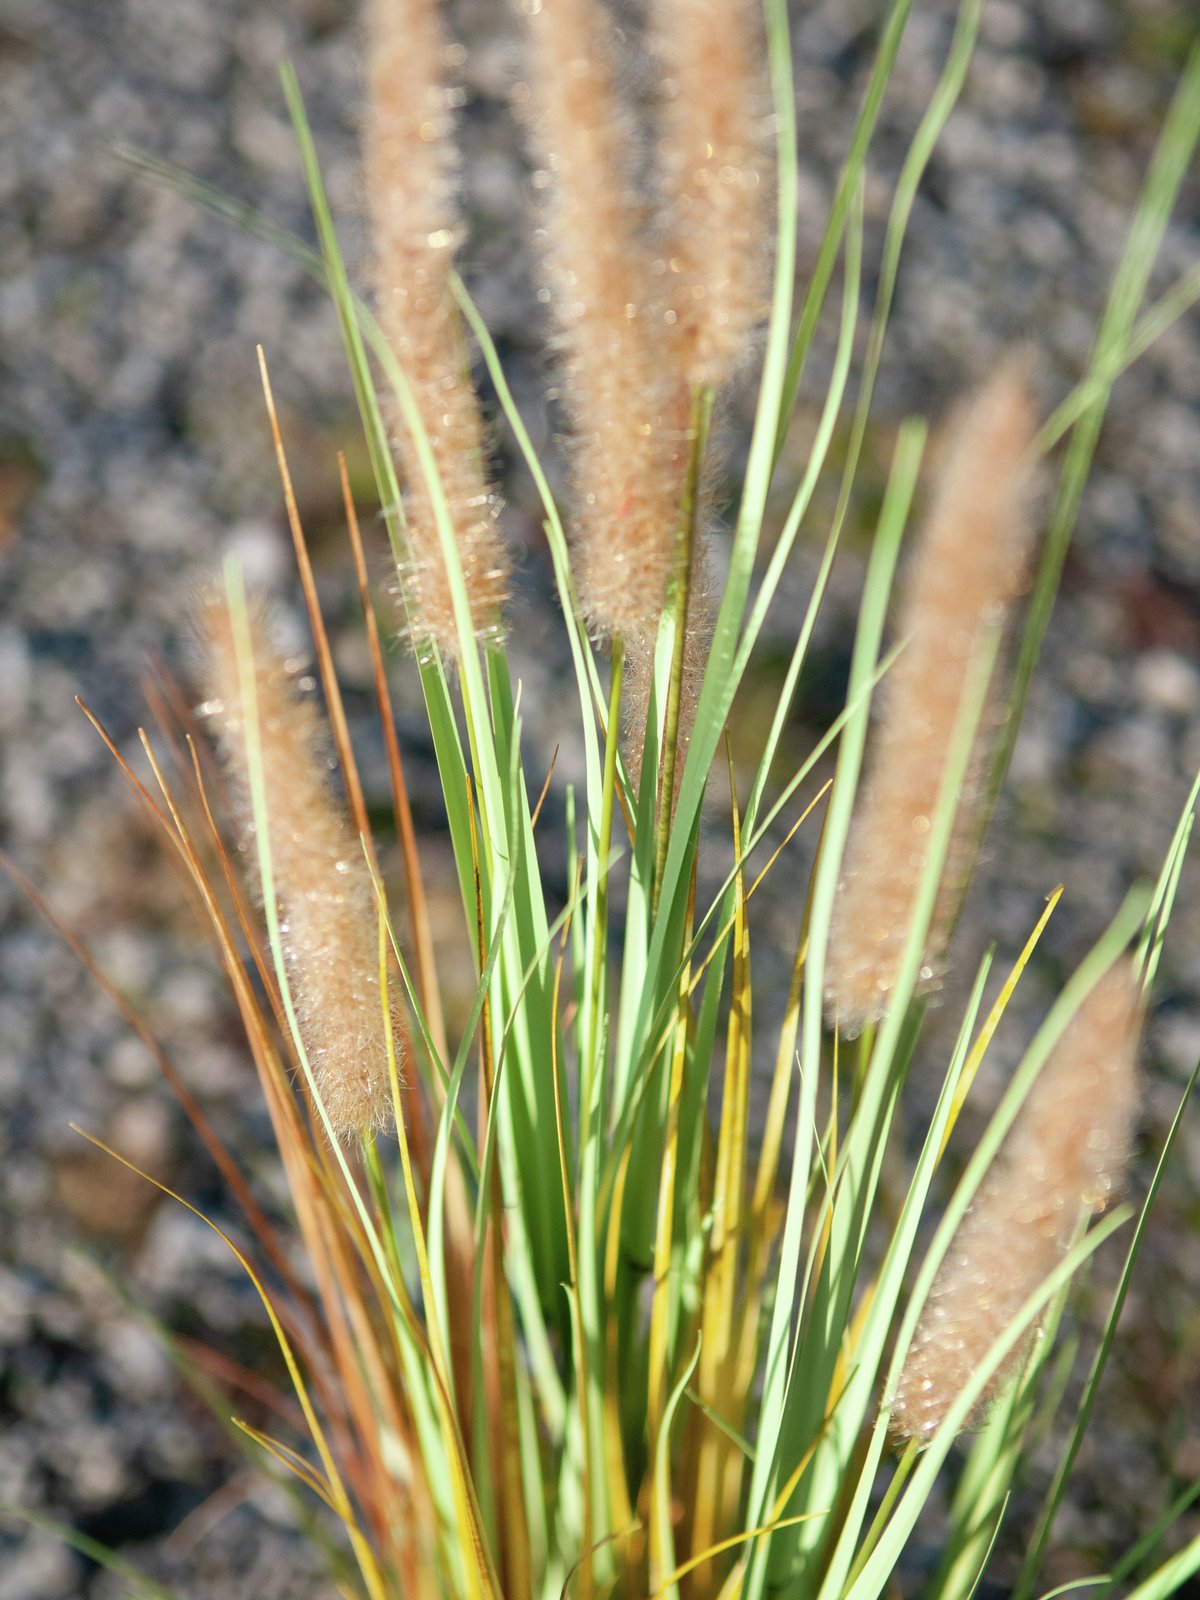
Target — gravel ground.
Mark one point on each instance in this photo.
(133, 455)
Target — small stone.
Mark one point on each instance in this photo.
(1165, 680)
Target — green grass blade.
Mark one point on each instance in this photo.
(859, 1164)
(1045, 1526)
(874, 1576)
(716, 694)
(662, 1535)
(1171, 1576)
(848, 1555)
(1168, 169)
(1145, 1546)
(866, 652)
(885, 59)
(138, 1584)
(1064, 1008)
(801, 501)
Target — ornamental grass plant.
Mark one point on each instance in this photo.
(560, 1315)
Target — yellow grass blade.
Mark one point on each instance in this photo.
(337, 1491)
(304, 1181)
(661, 1520)
(992, 1021)
(730, 1543)
(718, 1469)
(718, 942)
(481, 1574)
(614, 1449)
(731, 1589)
(288, 1458)
(584, 1565)
(664, 1228)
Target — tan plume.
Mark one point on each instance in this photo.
(1066, 1153)
(969, 566)
(411, 182)
(326, 899)
(716, 171)
(628, 406)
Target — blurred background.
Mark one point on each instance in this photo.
(134, 456)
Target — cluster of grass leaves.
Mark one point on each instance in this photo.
(603, 1343)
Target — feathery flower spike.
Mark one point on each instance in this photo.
(715, 171)
(1066, 1153)
(628, 405)
(327, 902)
(411, 174)
(712, 264)
(969, 567)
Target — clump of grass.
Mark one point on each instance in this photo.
(601, 1344)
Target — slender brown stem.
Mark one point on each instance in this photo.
(701, 415)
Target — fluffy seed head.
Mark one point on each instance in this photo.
(629, 406)
(411, 176)
(326, 899)
(716, 180)
(1066, 1152)
(969, 567)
